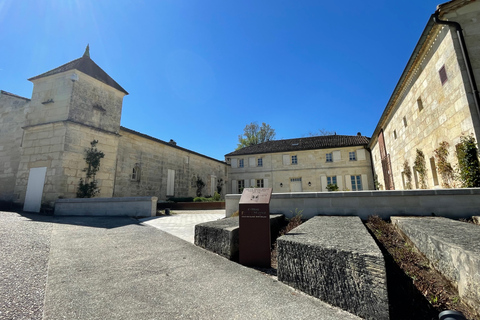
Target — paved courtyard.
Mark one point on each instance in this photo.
(122, 268)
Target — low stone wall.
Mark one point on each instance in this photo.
(128, 206)
(336, 260)
(222, 236)
(453, 247)
(451, 203)
(191, 205)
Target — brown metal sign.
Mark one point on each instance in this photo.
(254, 242)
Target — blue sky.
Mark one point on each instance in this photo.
(199, 71)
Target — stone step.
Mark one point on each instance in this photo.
(222, 236)
(452, 247)
(336, 260)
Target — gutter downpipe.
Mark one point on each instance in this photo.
(466, 58)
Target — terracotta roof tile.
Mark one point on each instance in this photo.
(298, 144)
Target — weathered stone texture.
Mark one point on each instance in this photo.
(336, 260)
(453, 248)
(222, 236)
(154, 159)
(448, 109)
(12, 117)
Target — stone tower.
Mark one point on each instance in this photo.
(71, 106)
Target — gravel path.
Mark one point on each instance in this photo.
(24, 251)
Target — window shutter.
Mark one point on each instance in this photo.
(171, 183)
(348, 182)
(323, 182)
(336, 156)
(340, 183)
(234, 163)
(252, 183)
(361, 154)
(265, 183)
(365, 185)
(286, 159)
(234, 186)
(251, 162)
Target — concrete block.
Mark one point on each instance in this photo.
(336, 260)
(222, 236)
(453, 248)
(128, 206)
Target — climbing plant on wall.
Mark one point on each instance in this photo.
(420, 166)
(88, 187)
(444, 167)
(200, 185)
(407, 173)
(468, 164)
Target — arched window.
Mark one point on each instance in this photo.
(135, 173)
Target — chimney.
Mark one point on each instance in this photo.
(172, 142)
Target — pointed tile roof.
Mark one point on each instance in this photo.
(298, 144)
(87, 66)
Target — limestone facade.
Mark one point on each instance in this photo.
(296, 165)
(432, 102)
(70, 107)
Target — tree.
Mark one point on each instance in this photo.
(468, 164)
(88, 188)
(320, 132)
(254, 134)
(420, 166)
(444, 167)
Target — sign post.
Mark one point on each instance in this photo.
(254, 242)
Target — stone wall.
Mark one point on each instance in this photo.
(425, 112)
(12, 118)
(451, 203)
(311, 167)
(153, 159)
(60, 147)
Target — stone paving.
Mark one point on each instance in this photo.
(182, 223)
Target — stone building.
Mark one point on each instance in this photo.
(302, 165)
(43, 142)
(436, 98)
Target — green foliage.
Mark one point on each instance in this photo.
(468, 164)
(420, 166)
(254, 134)
(88, 187)
(332, 187)
(444, 167)
(216, 196)
(407, 173)
(200, 185)
(219, 185)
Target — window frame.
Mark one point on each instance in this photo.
(240, 185)
(241, 163)
(356, 182)
(259, 183)
(260, 162)
(294, 159)
(352, 156)
(332, 180)
(329, 157)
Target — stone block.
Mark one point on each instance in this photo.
(453, 249)
(336, 260)
(222, 236)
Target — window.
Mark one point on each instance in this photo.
(259, 183)
(434, 171)
(294, 160)
(419, 104)
(443, 75)
(329, 157)
(394, 135)
(405, 121)
(331, 180)
(357, 183)
(241, 185)
(352, 156)
(135, 173)
(260, 162)
(240, 163)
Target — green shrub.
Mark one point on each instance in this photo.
(332, 187)
(468, 164)
(216, 196)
